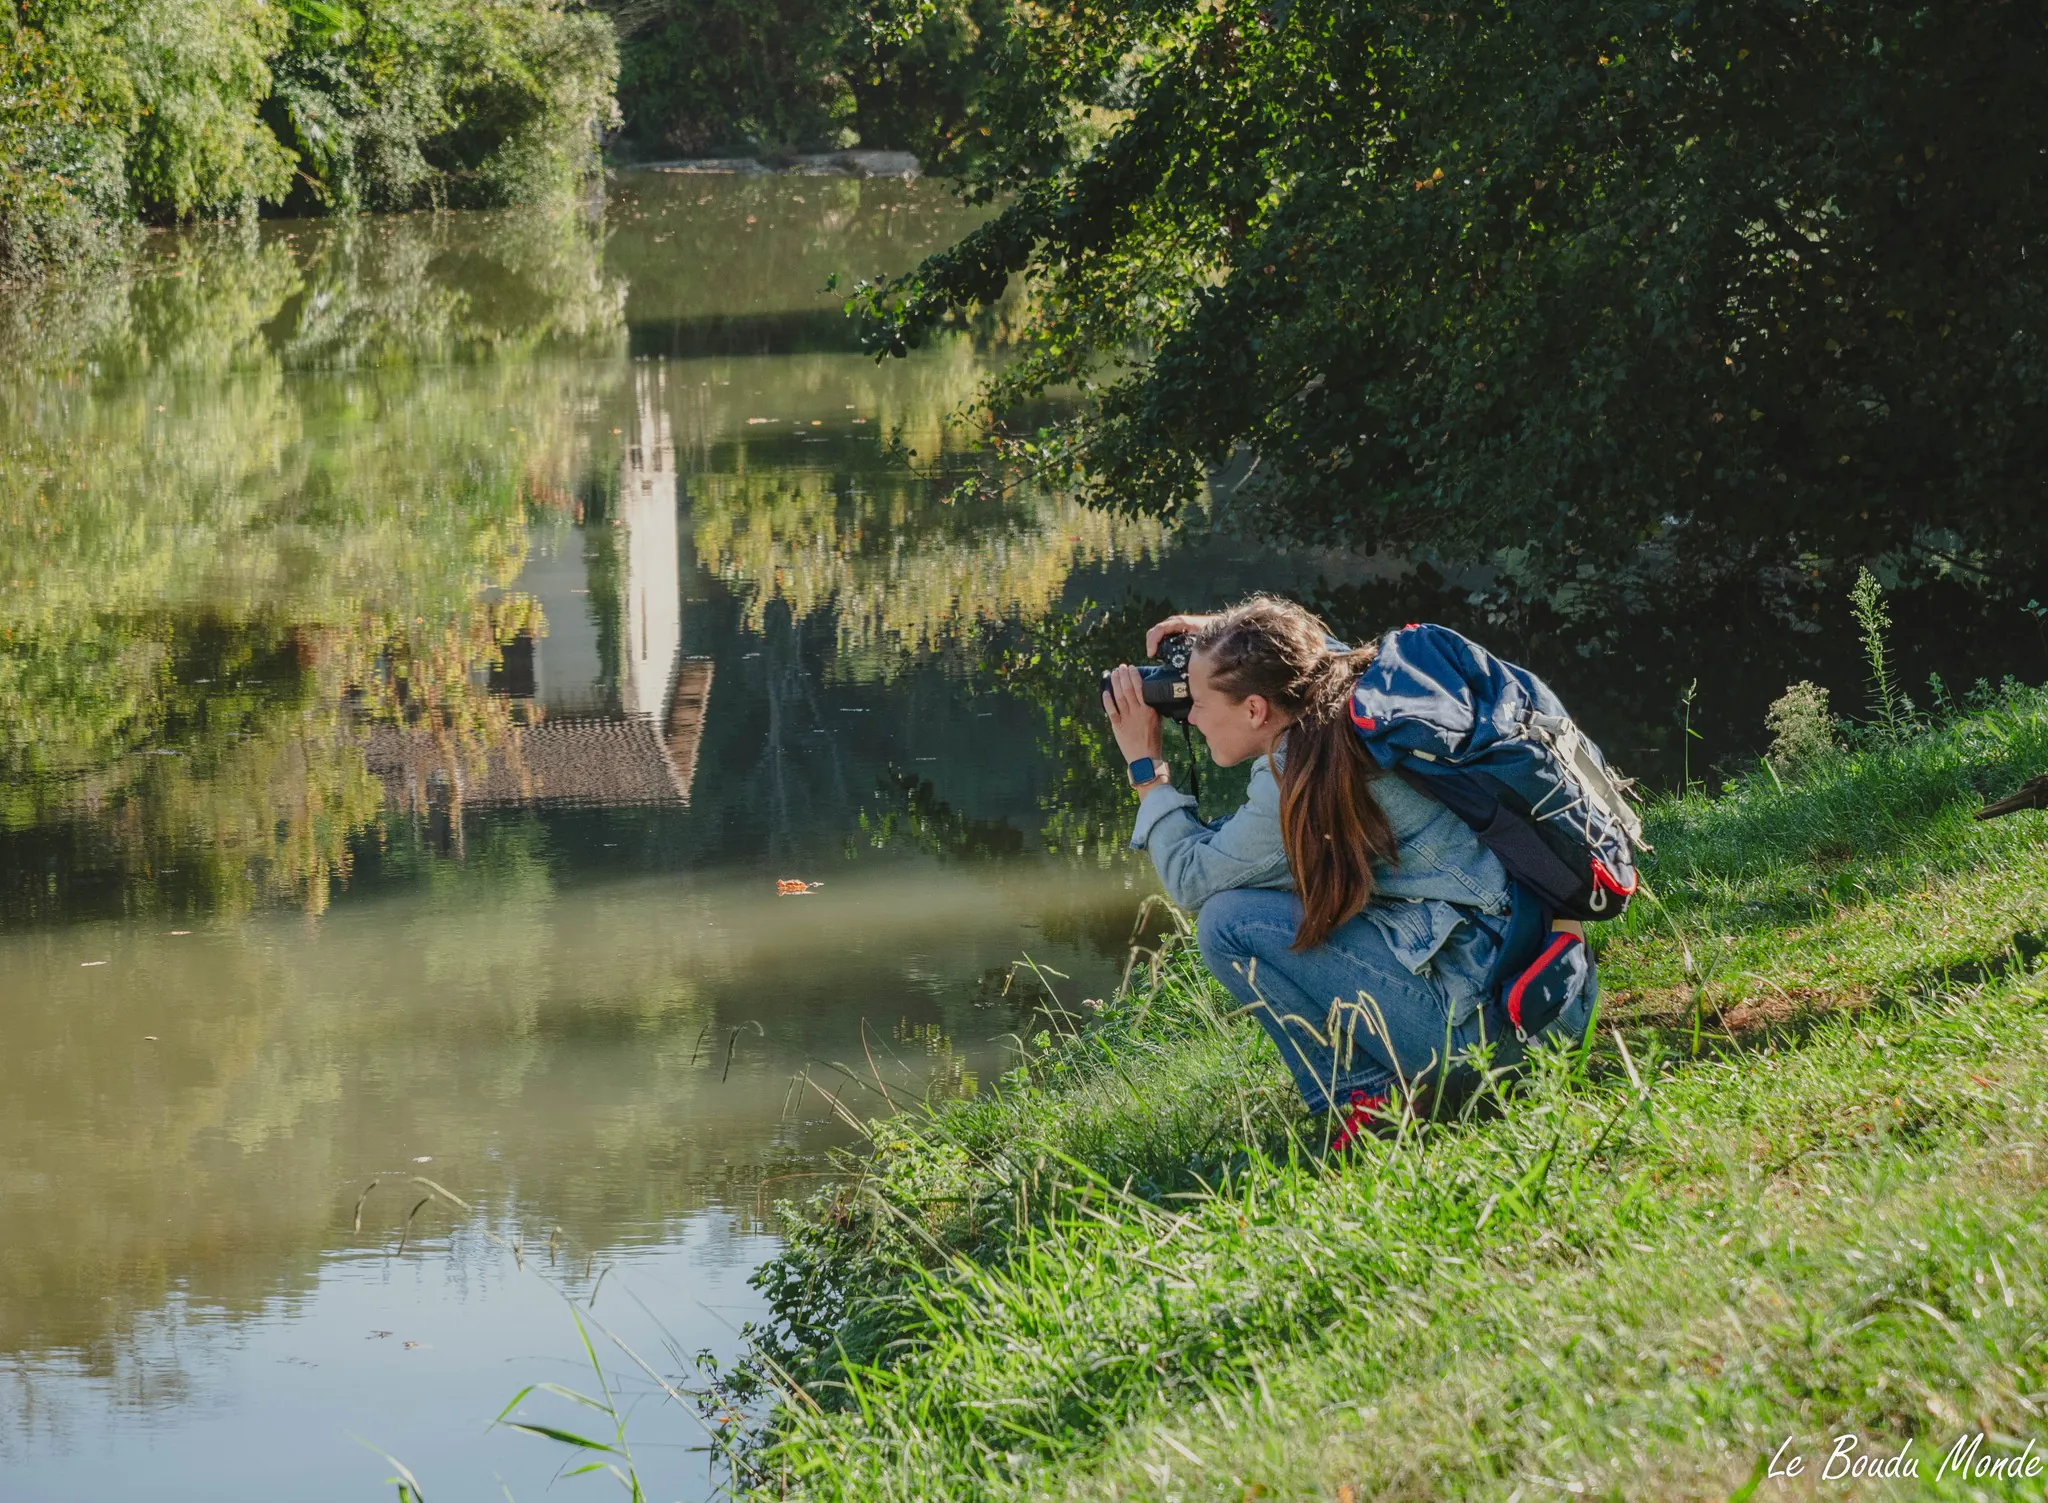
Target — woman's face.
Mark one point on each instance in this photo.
(1236, 729)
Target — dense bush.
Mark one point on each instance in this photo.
(391, 103)
(163, 110)
(168, 109)
(60, 171)
(923, 88)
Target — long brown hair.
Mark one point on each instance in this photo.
(1330, 823)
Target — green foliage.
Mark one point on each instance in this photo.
(792, 75)
(700, 75)
(60, 174)
(391, 104)
(924, 87)
(172, 109)
(1578, 278)
(200, 70)
(168, 89)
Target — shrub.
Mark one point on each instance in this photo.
(175, 109)
(60, 162)
(200, 71)
(791, 75)
(703, 75)
(392, 104)
(1802, 728)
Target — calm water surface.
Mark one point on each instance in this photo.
(425, 644)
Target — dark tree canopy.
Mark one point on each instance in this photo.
(1746, 284)
(795, 75)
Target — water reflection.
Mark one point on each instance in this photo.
(337, 522)
(409, 697)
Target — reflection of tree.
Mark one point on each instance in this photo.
(754, 255)
(790, 649)
(911, 814)
(244, 781)
(1056, 666)
(340, 294)
(900, 569)
(236, 519)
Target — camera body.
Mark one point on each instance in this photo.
(1165, 687)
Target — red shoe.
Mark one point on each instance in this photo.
(1360, 1119)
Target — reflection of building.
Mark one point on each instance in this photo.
(624, 731)
(651, 581)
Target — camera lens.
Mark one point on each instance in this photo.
(1165, 687)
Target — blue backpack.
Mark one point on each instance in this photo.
(1491, 742)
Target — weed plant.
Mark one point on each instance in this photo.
(1802, 729)
(1873, 624)
(1790, 1190)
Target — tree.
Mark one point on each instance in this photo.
(705, 75)
(178, 109)
(791, 75)
(60, 163)
(391, 104)
(1604, 280)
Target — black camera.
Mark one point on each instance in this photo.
(1165, 688)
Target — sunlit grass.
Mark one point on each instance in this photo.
(1867, 877)
(1793, 1194)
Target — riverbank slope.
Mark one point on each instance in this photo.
(1790, 1193)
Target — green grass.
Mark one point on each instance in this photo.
(1794, 1192)
(1869, 878)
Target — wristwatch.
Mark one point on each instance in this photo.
(1147, 770)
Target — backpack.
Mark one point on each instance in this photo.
(1492, 743)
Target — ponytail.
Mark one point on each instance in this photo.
(1330, 824)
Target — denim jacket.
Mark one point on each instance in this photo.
(1442, 873)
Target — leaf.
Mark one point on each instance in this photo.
(580, 1398)
(514, 1404)
(321, 18)
(404, 1480)
(566, 1437)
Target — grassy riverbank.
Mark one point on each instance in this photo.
(1792, 1189)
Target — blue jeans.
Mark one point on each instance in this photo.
(1347, 1016)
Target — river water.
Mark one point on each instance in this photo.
(426, 644)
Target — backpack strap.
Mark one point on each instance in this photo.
(1511, 837)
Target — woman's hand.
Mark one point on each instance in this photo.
(1134, 723)
(1173, 626)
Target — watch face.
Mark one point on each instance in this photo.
(1142, 770)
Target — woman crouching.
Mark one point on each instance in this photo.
(1360, 919)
